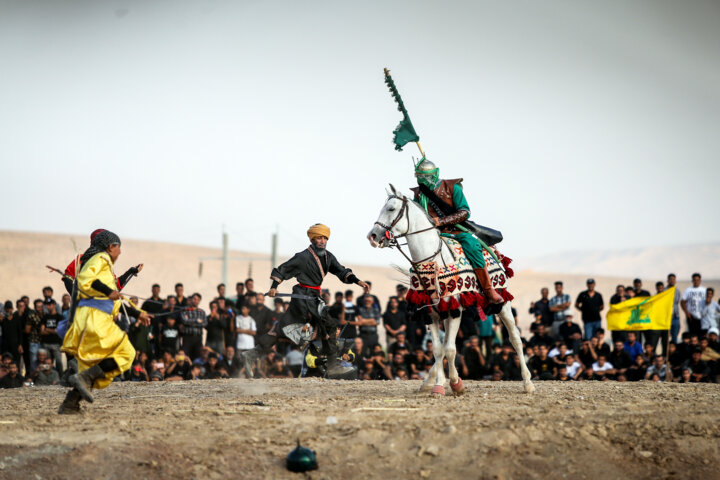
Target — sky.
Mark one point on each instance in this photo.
(576, 125)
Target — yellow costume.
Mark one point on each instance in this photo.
(93, 335)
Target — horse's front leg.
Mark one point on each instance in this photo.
(438, 351)
(452, 325)
(507, 319)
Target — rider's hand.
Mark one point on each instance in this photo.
(364, 285)
(115, 296)
(272, 292)
(140, 267)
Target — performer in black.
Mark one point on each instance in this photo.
(309, 267)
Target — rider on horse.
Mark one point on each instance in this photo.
(445, 202)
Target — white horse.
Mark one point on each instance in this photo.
(401, 217)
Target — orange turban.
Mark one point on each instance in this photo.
(318, 230)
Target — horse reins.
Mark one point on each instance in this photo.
(392, 239)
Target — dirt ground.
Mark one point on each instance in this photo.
(245, 429)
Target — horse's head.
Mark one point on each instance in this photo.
(390, 221)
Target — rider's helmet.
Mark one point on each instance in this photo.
(427, 173)
(301, 459)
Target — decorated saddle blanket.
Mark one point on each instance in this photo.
(453, 285)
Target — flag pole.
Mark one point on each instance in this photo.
(421, 149)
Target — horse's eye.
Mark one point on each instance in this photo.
(391, 209)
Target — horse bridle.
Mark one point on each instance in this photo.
(392, 239)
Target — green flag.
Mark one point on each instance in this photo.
(404, 132)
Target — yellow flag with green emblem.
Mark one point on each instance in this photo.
(643, 313)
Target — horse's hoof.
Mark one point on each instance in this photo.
(438, 390)
(529, 387)
(458, 388)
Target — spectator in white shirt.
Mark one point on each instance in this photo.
(692, 302)
(710, 312)
(246, 329)
(603, 368)
(574, 368)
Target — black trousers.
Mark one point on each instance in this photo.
(192, 345)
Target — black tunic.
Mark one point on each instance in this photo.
(309, 268)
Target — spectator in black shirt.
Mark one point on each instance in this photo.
(587, 355)
(620, 358)
(216, 325)
(399, 345)
(472, 360)
(638, 290)
(541, 309)
(214, 369)
(417, 362)
(12, 331)
(337, 311)
(700, 369)
(180, 298)
(541, 338)
(154, 304)
(543, 368)
(500, 361)
(469, 319)
(601, 346)
(227, 315)
(361, 299)
(589, 374)
(249, 288)
(48, 334)
(179, 368)
(220, 291)
(170, 336)
(262, 315)
(13, 379)
(239, 297)
(361, 351)
(395, 320)
(619, 295)
(590, 303)
(636, 371)
(350, 325)
(562, 375)
(513, 372)
(571, 334)
(230, 363)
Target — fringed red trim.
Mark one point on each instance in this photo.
(506, 261)
(414, 297)
(454, 304)
(467, 299)
(503, 292)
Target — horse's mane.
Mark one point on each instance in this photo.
(412, 203)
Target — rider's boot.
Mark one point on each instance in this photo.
(334, 369)
(488, 290)
(71, 404)
(84, 380)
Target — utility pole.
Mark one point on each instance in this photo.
(273, 251)
(224, 256)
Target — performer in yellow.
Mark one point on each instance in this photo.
(102, 349)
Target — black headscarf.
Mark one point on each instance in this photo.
(100, 243)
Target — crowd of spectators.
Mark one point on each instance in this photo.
(189, 342)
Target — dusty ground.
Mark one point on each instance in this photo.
(245, 428)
